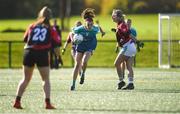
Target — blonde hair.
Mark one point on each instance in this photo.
(45, 12)
(44, 16)
(119, 14)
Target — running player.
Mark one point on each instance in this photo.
(38, 38)
(85, 49)
(70, 40)
(133, 35)
(128, 50)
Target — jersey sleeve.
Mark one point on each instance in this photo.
(96, 29)
(77, 30)
(133, 32)
(27, 32)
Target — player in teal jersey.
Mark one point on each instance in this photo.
(85, 49)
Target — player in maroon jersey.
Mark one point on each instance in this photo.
(38, 38)
(128, 50)
(70, 40)
(56, 62)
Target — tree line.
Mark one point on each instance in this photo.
(29, 8)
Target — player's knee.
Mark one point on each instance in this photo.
(77, 64)
(45, 82)
(84, 63)
(25, 81)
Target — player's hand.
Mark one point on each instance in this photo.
(63, 51)
(113, 29)
(102, 34)
(139, 45)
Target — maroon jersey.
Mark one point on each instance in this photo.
(59, 33)
(70, 39)
(40, 37)
(122, 33)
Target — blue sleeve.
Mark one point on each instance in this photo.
(96, 29)
(133, 32)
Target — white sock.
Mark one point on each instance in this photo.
(130, 79)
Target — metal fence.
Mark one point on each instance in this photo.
(11, 54)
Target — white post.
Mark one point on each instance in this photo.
(161, 16)
(160, 42)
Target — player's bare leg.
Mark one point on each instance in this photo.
(22, 85)
(123, 66)
(129, 64)
(73, 54)
(44, 72)
(78, 59)
(85, 59)
(119, 60)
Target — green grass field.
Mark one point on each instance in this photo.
(156, 92)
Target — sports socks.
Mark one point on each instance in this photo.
(18, 98)
(47, 100)
(83, 72)
(74, 83)
(130, 79)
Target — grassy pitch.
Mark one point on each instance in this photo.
(156, 91)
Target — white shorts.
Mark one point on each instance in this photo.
(128, 49)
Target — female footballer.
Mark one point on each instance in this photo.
(85, 49)
(128, 50)
(38, 38)
(133, 35)
(70, 40)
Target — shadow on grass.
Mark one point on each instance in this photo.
(135, 90)
(122, 110)
(158, 90)
(5, 95)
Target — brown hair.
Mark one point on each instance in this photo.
(88, 13)
(78, 23)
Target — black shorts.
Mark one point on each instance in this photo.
(32, 57)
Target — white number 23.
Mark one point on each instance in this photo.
(39, 34)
